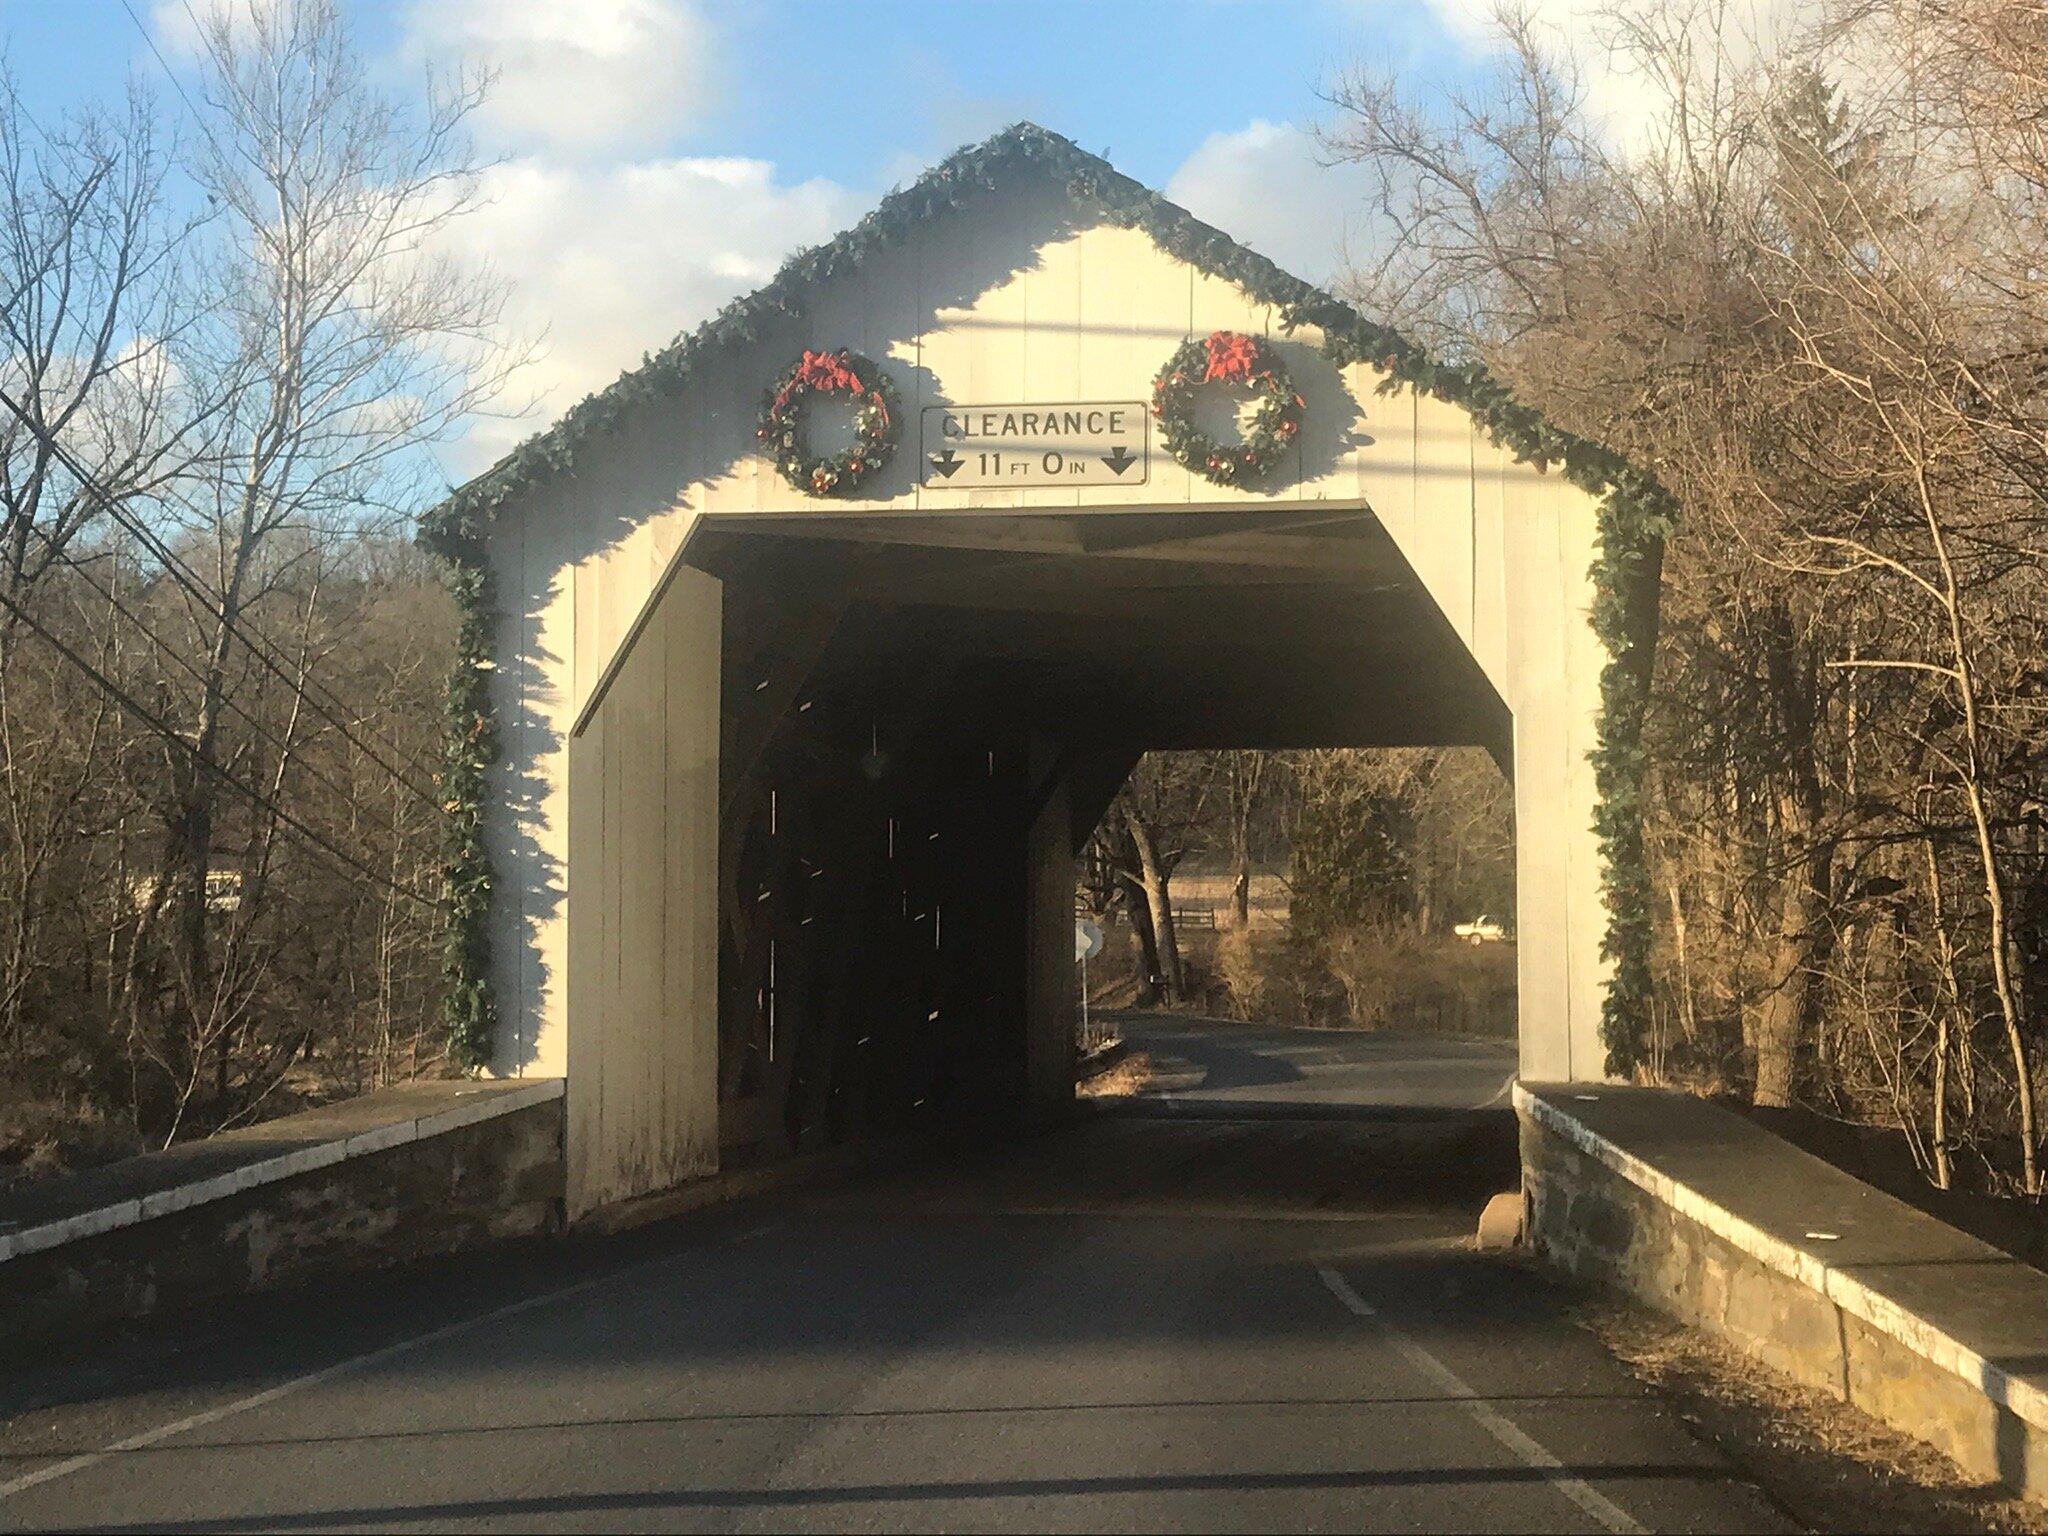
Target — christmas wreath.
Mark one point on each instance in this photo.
(875, 423)
(1226, 357)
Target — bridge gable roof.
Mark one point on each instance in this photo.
(1021, 154)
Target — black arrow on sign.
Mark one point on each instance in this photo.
(1118, 461)
(945, 463)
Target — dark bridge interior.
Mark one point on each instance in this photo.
(907, 700)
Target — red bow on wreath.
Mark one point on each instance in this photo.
(1233, 357)
(822, 371)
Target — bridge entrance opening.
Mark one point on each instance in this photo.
(924, 721)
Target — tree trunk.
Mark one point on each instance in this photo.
(1950, 1005)
(1796, 953)
(1148, 942)
(1795, 958)
(2011, 1009)
(1781, 1017)
(1153, 878)
(1687, 1020)
(1246, 777)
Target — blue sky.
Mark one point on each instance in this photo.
(658, 157)
(1147, 80)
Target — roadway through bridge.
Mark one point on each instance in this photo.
(1241, 1312)
(1252, 1070)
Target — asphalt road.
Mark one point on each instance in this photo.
(1251, 1069)
(1134, 1323)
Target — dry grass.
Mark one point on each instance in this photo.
(1831, 1466)
(1122, 1081)
(40, 1138)
(1389, 977)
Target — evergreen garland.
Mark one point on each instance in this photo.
(1635, 511)
(470, 746)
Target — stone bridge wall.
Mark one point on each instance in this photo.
(408, 1173)
(1716, 1222)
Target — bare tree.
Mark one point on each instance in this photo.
(1904, 325)
(1817, 309)
(338, 344)
(1247, 789)
(1158, 817)
(87, 308)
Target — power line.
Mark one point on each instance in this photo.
(307, 686)
(255, 797)
(169, 73)
(304, 686)
(193, 669)
(194, 584)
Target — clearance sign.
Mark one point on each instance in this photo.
(1053, 443)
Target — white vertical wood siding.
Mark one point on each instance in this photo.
(643, 952)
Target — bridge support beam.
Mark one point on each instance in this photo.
(1049, 936)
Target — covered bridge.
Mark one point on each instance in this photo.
(777, 762)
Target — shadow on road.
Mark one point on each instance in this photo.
(1269, 1156)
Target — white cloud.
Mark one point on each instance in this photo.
(575, 74)
(1265, 186)
(615, 262)
(570, 74)
(1629, 102)
(178, 24)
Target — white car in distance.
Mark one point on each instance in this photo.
(1481, 930)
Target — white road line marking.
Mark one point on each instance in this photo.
(349, 1367)
(1341, 1289)
(1526, 1450)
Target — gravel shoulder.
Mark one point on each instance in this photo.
(1829, 1466)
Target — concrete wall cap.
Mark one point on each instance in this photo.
(485, 1101)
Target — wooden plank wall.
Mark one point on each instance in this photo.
(1015, 304)
(643, 939)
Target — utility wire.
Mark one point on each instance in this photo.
(193, 669)
(170, 74)
(170, 733)
(196, 586)
(193, 584)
